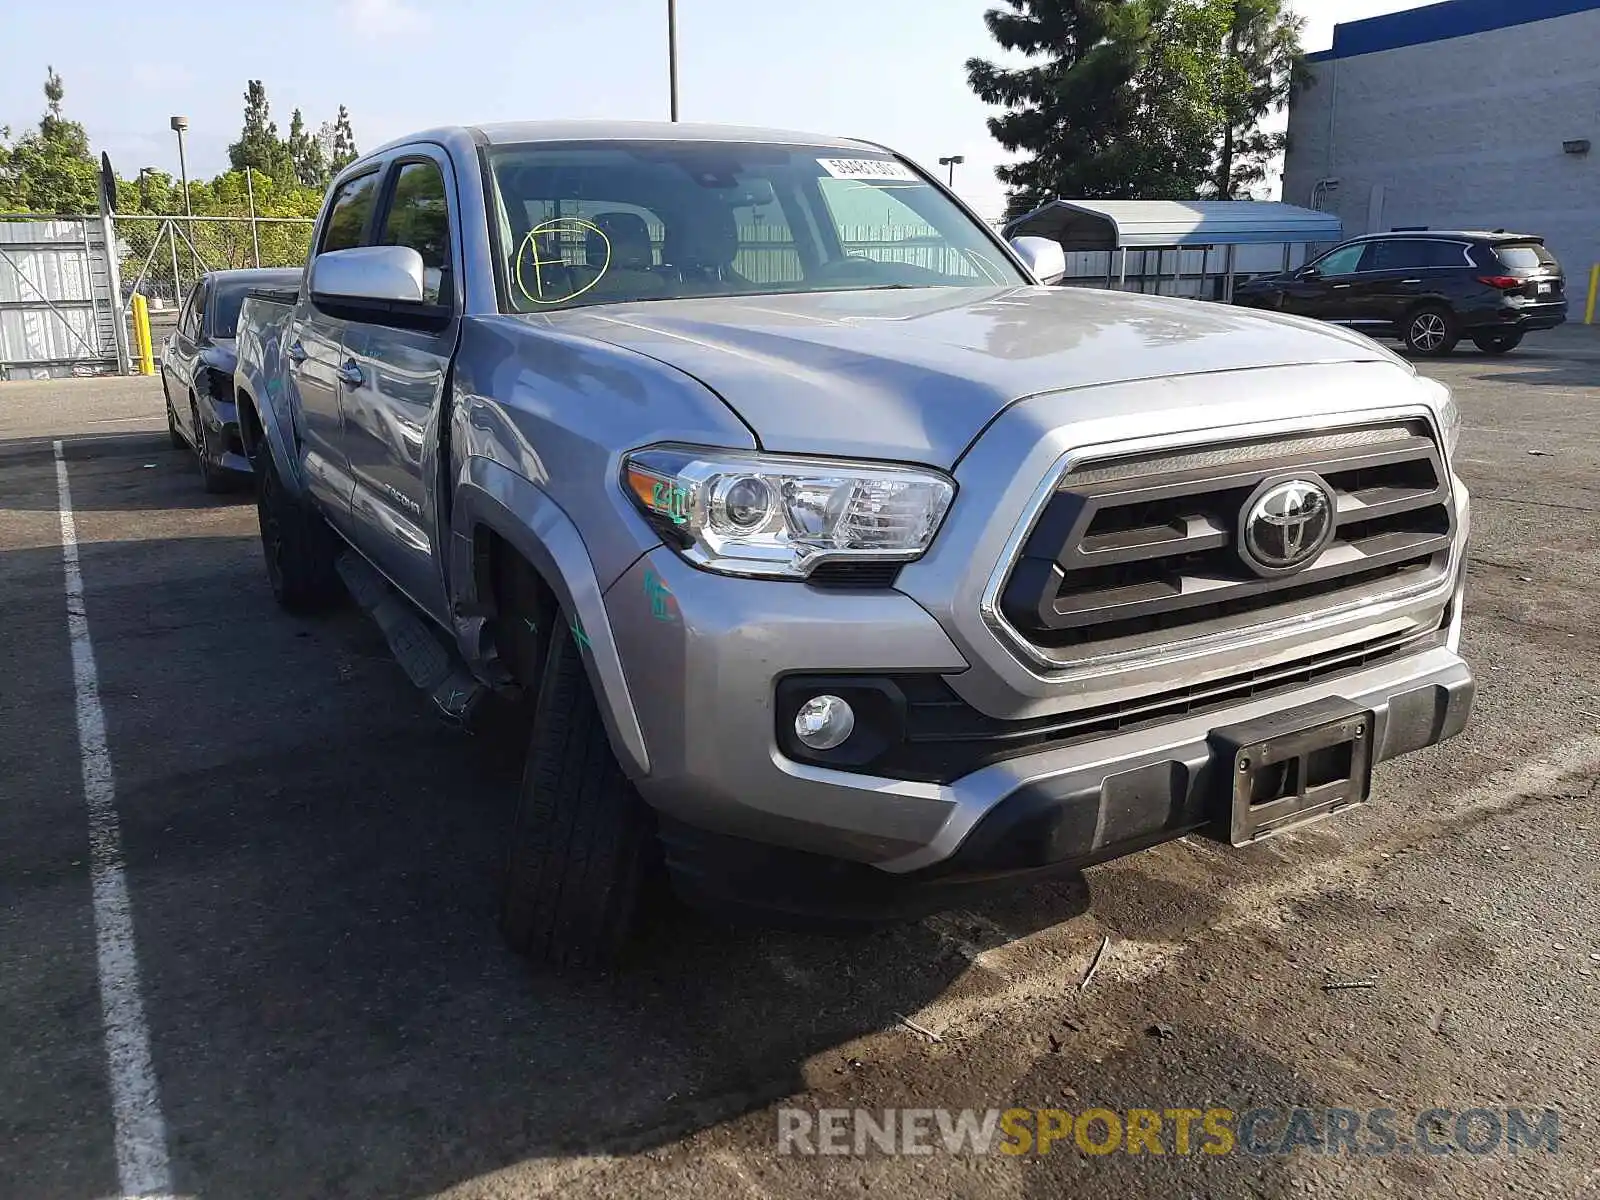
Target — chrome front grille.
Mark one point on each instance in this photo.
(1138, 551)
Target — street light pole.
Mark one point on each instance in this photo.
(954, 161)
(179, 124)
(672, 55)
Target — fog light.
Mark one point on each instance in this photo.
(824, 722)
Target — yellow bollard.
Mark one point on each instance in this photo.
(141, 335)
(1594, 290)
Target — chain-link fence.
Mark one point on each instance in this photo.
(163, 256)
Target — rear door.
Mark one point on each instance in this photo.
(1393, 278)
(314, 348)
(395, 415)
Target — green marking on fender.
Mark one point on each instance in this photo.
(579, 636)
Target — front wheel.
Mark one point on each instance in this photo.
(1497, 343)
(1432, 331)
(583, 840)
(299, 547)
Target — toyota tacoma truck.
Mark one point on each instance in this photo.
(840, 568)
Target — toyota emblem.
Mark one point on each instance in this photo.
(1286, 524)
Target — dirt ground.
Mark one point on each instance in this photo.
(311, 863)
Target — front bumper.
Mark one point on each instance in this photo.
(704, 654)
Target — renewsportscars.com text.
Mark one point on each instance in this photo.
(1168, 1131)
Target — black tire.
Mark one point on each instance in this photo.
(1497, 343)
(299, 547)
(213, 478)
(583, 844)
(1432, 331)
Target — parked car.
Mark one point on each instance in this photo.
(197, 363)
(1429, 289)
(842, 580)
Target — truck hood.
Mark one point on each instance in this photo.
(916, 374)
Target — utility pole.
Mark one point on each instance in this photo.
(954, 161)
(672, 55)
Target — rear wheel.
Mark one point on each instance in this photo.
(299, 547)
(212, 477)
(1497, 343)
(1431, 331)
(583, 843)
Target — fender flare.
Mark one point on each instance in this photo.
(491, 496)
(255, 384)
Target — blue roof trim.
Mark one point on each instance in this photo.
(1439, 22)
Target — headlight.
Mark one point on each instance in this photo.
(769, 515)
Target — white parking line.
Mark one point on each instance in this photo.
(141, 1131)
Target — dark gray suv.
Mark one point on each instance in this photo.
(1429, 289)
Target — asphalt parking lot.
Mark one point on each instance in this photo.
(311, 865)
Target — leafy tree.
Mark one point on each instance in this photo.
(344, 150)
(1263, 65)
(49, 169)
(305, 151)
(259, 146)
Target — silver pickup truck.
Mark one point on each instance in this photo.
(841, 568)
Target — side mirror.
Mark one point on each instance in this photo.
(1308, 273)
(1044, 257)
(388, 273)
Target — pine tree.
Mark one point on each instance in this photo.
(344, 142)
(1067, 106)
(1263, 65)
(305, 151)
(259, 146)
(1137, 99)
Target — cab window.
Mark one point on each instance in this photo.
(419, 217)
(347, 219)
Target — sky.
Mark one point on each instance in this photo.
(887, 70)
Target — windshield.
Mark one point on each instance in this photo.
(606, 222)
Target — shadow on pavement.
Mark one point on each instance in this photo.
(313, 861)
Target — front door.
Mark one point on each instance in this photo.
(177, 365)
(394, 403)
(1330, 295)
(314, 350)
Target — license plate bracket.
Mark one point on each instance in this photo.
(1293, 768)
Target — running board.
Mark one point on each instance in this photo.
(420, 651)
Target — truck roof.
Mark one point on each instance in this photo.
(513, 132)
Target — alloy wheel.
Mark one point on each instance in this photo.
(1428, 332)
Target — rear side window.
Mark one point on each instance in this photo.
(419, 217)
(348, 218)
(1528, 257)
(1446, 254)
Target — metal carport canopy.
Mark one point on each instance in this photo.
(1139, 224)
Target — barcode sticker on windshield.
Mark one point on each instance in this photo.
(866, 168)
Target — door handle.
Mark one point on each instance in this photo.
(297, 353)
(350, 374)
(1341, 287)
(1411, 283)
